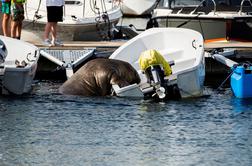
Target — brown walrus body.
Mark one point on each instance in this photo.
(97, 76)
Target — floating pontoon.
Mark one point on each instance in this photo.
(68, 59)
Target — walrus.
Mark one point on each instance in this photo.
(97, 76)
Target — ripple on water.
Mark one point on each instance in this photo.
(46, 128)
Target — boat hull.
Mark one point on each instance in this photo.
(137, 8)
(84, 20)
(19, 69)
(191, 83)
(182, 46)
(213, 30)
(74, 32)
(214, 26)
(18, 80)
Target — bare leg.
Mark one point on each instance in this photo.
(19, 30)
(14, 25)
(5, 25)
(54, 31)
(47, 30)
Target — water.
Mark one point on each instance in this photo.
(46, 128)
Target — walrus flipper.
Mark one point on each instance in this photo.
(118, 80)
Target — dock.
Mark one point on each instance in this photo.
(36, 40)
(84, 44)
(106, 48)
(116, 44)
(231, 44)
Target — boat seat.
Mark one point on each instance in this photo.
(186, 60)
(183, 64)
(171, 54)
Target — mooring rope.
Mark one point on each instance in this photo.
(35, 17)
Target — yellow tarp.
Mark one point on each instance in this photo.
(153, 57)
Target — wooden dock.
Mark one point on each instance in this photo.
(116, 44)
(36, 40)
(231, 44)
(84, 44)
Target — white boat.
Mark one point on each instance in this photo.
(82, 20)
(182, 47)
(137, 7)
(18, 66)
(216, 20)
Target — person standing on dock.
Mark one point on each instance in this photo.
(17, 17)
(54, 15)
(6, 10)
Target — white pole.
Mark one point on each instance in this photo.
(220, 58)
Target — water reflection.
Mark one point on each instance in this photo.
(241, 105)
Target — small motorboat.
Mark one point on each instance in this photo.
(82, 20)
(181, 48)
(18, 65)
(216, 20)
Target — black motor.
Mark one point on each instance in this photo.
(161, 88)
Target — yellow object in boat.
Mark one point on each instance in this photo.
(151, 58)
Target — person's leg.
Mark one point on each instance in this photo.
(47, 30)
(54, 31)
(6, 19)
(14, 25)
(20, 20)
(17, 18)
(58, 17)
(19, 30)
(5, 25)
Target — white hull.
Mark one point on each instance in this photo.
(215, 21)
(182, 46)
(137, 7)
(80, 22)
(18, 79)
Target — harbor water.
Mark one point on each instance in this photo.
(46, 128)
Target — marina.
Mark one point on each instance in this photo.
(197, 114)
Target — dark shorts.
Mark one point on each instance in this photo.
(17, 12)
(54, 13)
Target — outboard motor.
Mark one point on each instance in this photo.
(156, 68)
(155, 77)
(3, 51)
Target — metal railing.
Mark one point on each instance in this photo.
(214, 3)
(241, 6)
